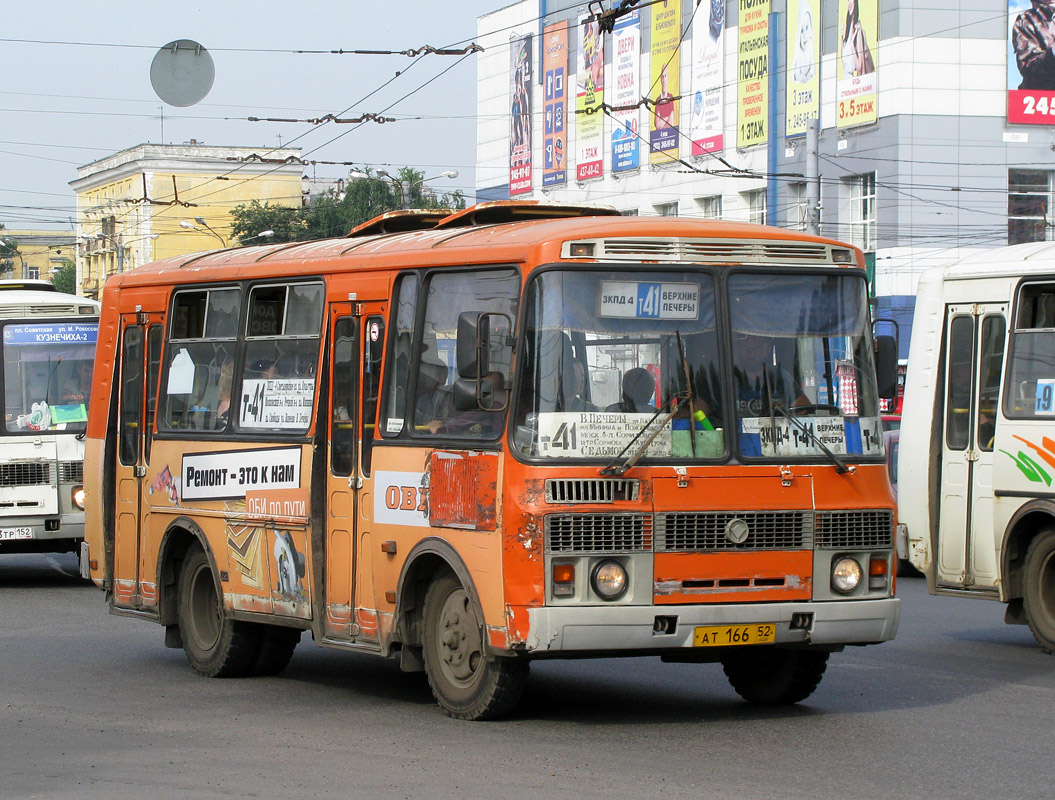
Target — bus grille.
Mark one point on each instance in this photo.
(590, 490)
(722, 251)
(31, 473)
(598, 533)
(767, 530)
(855, 529)
(71, 472)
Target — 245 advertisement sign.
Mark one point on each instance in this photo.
(1030, 62)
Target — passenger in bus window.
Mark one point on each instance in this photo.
(223, 405)
(639, 387)
(575, 374)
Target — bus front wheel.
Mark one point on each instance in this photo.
(216, 645)
(1038, 584)
(464, 682)
(773, 677)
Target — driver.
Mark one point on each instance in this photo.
(759, 377)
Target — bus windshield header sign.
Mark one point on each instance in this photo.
(641, 300)
(52, 333)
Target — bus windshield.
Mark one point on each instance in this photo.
(653, 361)
(47, 375)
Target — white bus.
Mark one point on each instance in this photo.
(48, 340)
(976, 472)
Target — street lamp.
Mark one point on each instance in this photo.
(186, 223)
(262, 235)
(13, 246)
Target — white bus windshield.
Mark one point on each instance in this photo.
(47, 375)
(655, 355)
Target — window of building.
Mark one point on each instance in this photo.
(711, 207)
(797, 218)
(33, 273)
(666, 209)
(756, 206)
(1029, 203)
(863, 211)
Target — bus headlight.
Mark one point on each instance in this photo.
(78, 497)
(846, 575)
(609, 580)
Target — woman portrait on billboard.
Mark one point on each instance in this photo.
(856, 55)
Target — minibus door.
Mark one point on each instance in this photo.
(975, 337)
(356, 340)
(139, 359)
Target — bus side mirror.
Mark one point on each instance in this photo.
(484, 343)
(886, 366)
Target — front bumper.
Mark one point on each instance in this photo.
(592, 628)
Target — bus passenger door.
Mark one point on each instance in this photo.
(356, 339)
(139, 358)
(975, 337)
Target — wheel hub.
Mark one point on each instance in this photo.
(460, 640)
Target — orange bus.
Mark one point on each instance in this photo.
(515, 432)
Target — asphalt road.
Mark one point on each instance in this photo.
(958, 706)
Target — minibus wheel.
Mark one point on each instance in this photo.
(216, 645)
(464, 682)
(277, 644)
(770, 676)
(1038, 589)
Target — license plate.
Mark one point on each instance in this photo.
(15, 533)
(733, 635)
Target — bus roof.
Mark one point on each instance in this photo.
(533, 234)
(1033, 258)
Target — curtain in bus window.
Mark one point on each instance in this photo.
(808, 305)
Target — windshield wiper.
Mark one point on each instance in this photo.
(621, 469)
(840, 465)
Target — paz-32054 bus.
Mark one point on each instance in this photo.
(48, 340)
(518, 432)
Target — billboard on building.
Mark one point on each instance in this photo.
(665, 81)
(752, 73)
(803, 57)
(589, 95)
(856, 87)
(1030, 62)
(520, 116)
(626, 72)
(708, 75)
(555, 104)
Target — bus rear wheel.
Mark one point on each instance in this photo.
(774, 677)
(277, 644)
(464, 682)
(216, 646)
(1038, 584)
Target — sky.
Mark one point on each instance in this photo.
(77, 88)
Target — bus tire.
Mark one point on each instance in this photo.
(216, 646)
(464, 682)
(277, 644)
(1038, 589)
(774, 677)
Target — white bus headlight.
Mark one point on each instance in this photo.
(78, 497)
(846, 575)
(609, 580)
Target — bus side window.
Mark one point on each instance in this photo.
(959, 371)
(394, 404)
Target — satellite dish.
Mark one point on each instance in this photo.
(182, 73)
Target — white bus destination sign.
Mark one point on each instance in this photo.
(643, 300)
(225, 476)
